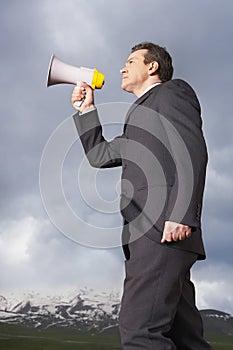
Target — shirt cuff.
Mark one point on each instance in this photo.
(87, 110)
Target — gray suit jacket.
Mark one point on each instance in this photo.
(163, 156)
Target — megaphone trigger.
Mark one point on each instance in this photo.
(78, 103)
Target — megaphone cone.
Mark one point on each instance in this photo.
(63, 73)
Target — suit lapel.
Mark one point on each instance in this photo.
(139, 101)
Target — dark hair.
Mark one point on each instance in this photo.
(158, 54)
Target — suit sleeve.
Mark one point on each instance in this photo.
(100, 152)
(180, 112)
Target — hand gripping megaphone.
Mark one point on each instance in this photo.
(62, 73)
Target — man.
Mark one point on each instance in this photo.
(163, 155)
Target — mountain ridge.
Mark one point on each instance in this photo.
(85, 310)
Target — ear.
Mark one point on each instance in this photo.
(153, 67)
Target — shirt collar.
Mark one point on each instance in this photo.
(149, 88)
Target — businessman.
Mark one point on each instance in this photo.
(163, 156)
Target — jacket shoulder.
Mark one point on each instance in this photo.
(179, 90)
(178, 85)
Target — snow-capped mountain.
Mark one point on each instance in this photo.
(217, 322)
(85, 310)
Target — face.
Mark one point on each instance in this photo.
(135, 73)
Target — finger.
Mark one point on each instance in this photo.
(163, 238)
(175, 236)
(78, 96)
(185, 234)
(78, 91)
(75, 99)
(166, 238)
(182, 236)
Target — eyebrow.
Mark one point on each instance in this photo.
(131, 58)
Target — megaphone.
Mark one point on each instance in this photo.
(63, 73)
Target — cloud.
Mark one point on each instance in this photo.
(75, 26)
(214, 287)
(15, 236)
(34, 255)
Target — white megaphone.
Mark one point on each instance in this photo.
(62, 73)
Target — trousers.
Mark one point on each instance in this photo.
(158, 308)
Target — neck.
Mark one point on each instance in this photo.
(146, 87)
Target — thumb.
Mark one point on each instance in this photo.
(163, 239)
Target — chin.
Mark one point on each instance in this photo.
(125, 87)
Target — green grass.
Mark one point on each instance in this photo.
(220, 342)
(15, 337)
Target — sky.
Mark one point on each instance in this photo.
(36, 253)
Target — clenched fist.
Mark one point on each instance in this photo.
(175, 232)
(83, 93)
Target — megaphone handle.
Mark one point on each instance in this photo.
(78, 103)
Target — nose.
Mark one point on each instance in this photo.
(123, 70)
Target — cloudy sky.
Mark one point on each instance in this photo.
(35, 252)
